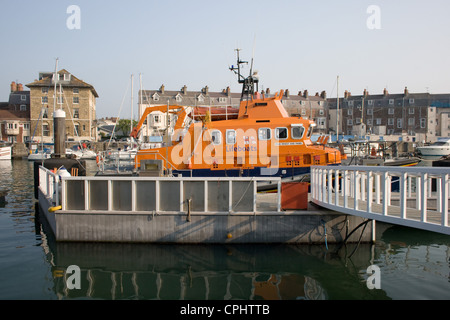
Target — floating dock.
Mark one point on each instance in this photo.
(187, 210)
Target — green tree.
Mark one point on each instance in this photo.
(123, 127)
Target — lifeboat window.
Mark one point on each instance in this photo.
(297, 132)
(216, 137)
(231, 136)
(281, 133)
(310, 130)
(264, 134)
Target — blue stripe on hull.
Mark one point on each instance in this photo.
(256, 172)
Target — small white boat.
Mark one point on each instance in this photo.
(5, 152)
(440, 148)
(39, 155)
(85, 154)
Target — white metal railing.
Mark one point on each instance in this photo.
(49, 184)
(411, 196)
(118, 194)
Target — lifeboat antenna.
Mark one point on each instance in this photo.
(249, 83)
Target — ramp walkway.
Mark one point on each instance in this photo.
(416, 197)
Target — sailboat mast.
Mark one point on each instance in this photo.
(337, 110)
(131, 117)
(56, 81)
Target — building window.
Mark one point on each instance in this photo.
(390, 131)
(370, 111)
(222, 99)
(399, 123)
(200, 98)
(44, 100)
(66, 76)
(370, 102)
(378, 121)
(76, 90)
(76, 100)
(26, 126)
(156, 118)
(369, 122)
(303, 112)
(349, 122)
(350, 103)
(411, 121)
(391, 111)
(76, 112)
(423, 122)
(23, 107)
(390, 121)
(321, 112)
(231, 136)
(44, 90)
(76, 129)
(155, 97)
(60, 100)
(45, 130)
(281, 133)
(23, 97)
(391, 101)
(411, 110)
(411, 101)
(45, 113)
(178, 98)
(264, 134)
(349, 112)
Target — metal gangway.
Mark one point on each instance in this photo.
(416, 197)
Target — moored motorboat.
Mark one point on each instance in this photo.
(262, 141)
(439, 148)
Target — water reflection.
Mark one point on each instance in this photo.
(209, 272)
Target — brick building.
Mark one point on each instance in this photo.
(15, 115)
(407, 116)
(76, 97)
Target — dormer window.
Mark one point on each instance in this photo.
(66, 76)
(178, 98)
(155, 97)
(200, 98)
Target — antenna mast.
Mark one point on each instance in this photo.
(249, 84)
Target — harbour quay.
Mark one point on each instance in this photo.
(188, 210)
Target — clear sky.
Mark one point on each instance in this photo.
(296, 45)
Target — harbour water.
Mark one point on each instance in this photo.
(411, 264)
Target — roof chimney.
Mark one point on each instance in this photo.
(365, 93)
(228, 91)
(305, 94)
(267, 91)
(162, 89)
(19, 87)
(13, 87)
(346, 94)
(385, 92)
(323, 94)
(406, 91)
(206, 90)
(286, 93)
(184, 89)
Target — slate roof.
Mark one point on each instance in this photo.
(46, 81)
